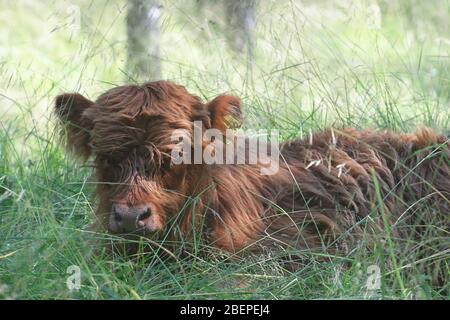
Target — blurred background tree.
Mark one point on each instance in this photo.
(240, 20)
(240, 15)
(143, 31)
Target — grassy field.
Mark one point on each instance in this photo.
(368, 63)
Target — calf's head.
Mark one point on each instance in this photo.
(127, 132)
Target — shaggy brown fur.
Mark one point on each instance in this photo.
(382, 175)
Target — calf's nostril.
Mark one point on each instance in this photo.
(116, 215)
(144, 215)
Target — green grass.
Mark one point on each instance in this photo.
(316, 63)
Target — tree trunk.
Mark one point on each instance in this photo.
(143, 30)
(241, 23)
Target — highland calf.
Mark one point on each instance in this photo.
(331, 188)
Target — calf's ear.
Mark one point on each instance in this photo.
(225, 112)
(70, 109)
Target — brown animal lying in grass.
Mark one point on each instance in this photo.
(331, 188)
